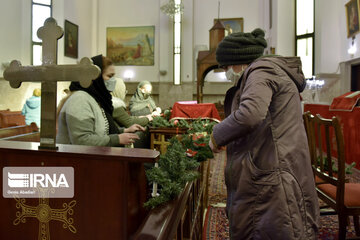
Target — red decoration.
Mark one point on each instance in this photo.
(345, 102)
(191, 153)
(193, 111)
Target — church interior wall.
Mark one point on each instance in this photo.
(285, 27)
(123, 13)
(16, 42)
(94, 16)
(13, 39)
(328, 34)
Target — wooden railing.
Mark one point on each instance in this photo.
(181, 218)
(16, 130)
(26, 137)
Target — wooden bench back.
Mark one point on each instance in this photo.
(11, 118)
(27, 137)
(16, 130)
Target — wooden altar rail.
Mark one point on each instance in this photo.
(181, 218)
(110, 190)
(12, 131)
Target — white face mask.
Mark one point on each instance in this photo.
(233, 76)
(110, 84)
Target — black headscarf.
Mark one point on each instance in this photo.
(99, 92)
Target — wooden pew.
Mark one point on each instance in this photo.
(12, 131)
(26, 137)
(11, 118)
(110, 189)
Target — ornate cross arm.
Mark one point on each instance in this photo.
(49, 74)
(83, 73)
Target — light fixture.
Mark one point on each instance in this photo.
(128, 75)
(172, 8)
(352, 50)
(313, 83)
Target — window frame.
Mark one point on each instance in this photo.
(32, 30)
(179, 48)
(306, 35)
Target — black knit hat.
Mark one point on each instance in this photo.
(241, 48)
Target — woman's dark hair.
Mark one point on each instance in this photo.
(105, 63)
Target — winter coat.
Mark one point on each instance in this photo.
(121, 116)
(81, 121)
(32, 110)
(270, 185)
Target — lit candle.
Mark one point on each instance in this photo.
(154, 192)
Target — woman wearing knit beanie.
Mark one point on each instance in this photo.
(270, 185)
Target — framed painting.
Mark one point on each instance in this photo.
(352, 17)
(232, 25)
(71, 40)
(131, 45)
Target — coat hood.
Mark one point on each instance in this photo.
(291, 65)
(33, 102)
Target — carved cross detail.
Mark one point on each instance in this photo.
(49, 74)
(45, 214)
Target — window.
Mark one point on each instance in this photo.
(41, 10)
(305, 35)
(177, 45)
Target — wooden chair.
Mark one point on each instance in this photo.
(309, 127)
(326, 139)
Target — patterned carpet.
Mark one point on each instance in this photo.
(216, 225)
(217, 189)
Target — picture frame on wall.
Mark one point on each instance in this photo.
(131, 45)
(352, 18)
(71, 40)
(232, 25)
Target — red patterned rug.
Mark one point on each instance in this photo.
(217, 226)
(329, 228)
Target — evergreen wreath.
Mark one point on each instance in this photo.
(180, 162)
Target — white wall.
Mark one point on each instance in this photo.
(94, 16)
(80, 13)
(124, 13)
(329, 29)
(15, 32)
(15, 41)
(205, 11)
(285, 27)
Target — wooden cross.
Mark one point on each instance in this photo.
(45, 214)
(49, 74)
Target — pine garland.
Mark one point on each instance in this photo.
(175, 169)
(180, 162)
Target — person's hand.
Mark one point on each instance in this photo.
(127, 138)
(133, 128)
(149, 117)
(158, 110)
(155, 114)
(215, 149)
